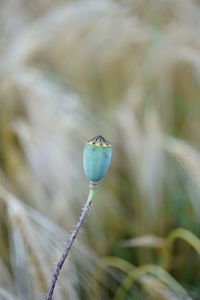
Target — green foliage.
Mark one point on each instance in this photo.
(163, 285)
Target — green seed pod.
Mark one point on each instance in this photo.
(96, 158)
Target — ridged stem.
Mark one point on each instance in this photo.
(70, 242)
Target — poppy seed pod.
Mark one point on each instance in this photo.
(96, 158)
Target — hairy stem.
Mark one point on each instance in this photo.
(70, 242)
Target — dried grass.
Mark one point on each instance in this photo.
(128, 70)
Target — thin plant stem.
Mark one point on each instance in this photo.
(70, 242)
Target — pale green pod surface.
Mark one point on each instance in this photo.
(96, 158)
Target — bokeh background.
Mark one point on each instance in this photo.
(130, 71)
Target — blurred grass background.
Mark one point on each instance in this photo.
(130, 71)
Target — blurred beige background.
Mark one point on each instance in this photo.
(130, 71)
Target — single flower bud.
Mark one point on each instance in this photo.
(96, 158)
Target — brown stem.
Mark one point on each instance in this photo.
(69, 243)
